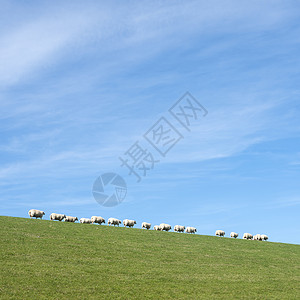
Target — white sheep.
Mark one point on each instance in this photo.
(113, 221)
(191, 230)
(264, 237)
(58, 217)
(257, 237)
(247, 236)
(146, 225)
(165, 227)
(234, 235)
(85, 221)
(157, 227)
(129, 223)
(98, 220)
(179, 228)
(71, 219)
(35, 213)
(220, 233)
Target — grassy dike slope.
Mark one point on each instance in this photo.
(55, 260)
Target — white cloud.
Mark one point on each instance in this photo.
(285, 202)
(38, 43)
(53, 34)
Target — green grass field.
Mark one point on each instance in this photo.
(44, 259)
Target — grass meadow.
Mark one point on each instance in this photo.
(57, 260)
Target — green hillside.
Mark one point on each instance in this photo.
(44, 259)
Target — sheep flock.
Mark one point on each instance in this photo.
(35, 213)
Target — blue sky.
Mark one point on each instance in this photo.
(81, 82)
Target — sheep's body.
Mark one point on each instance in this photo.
(35, 213)
(191, 230)
(257, 237)
(165, 227)
(157, 227)
(264, 237)
(146, 225)
(71, 219)
(234, 235)
(58, 217)
(247, 236)
(129, 223)
(113, 221)
(179, 228)
(220, 233)
(98, 220)
(85, 221)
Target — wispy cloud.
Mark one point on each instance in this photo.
(49, 36)
(283, 203)
(40, 42)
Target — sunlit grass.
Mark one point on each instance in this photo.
(44, 259)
